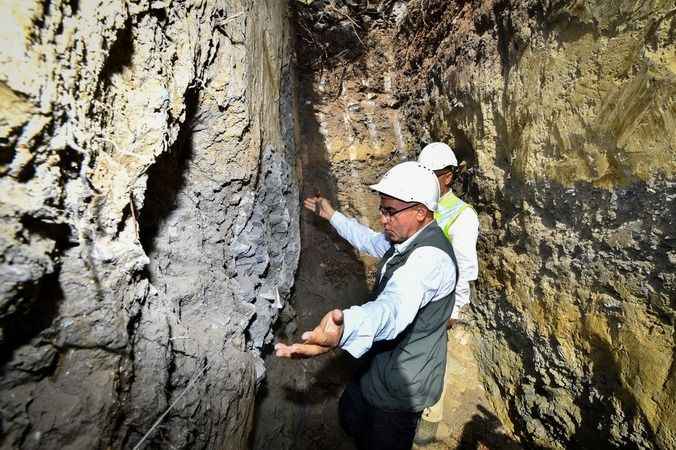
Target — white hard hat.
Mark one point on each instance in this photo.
(410, 181)
(436, 156)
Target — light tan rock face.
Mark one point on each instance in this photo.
(148, 214)
(566, 111)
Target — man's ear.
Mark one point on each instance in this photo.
(421, 214)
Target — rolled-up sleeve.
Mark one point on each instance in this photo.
(427, 276)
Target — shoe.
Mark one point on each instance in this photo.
(426, 433)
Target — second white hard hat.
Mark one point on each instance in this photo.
(436, 156)
(410, 181)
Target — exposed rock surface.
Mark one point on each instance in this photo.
(297, 404)
(150, 220)
(349, 134)
(566, 110)
(149, 217)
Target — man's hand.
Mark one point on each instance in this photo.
(320, 206)
(323, 338)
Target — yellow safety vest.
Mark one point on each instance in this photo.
(449, 209)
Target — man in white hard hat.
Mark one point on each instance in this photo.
(401, 331)
(457, 219)
(460, 224)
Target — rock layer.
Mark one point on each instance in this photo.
(566, 111)
(150, 209)
(149, 217)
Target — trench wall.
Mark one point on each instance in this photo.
(149, 217)
(565, 111)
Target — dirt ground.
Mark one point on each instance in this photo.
(469, 422)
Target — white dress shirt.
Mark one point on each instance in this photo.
(465, 232)
(427, 276)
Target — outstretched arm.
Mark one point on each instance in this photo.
(323, 338)
(320, 206)
(360, 236)
(425, 278)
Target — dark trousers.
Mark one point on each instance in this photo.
(373, 428)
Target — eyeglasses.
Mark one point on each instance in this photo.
(391, 212)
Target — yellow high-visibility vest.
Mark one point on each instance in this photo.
(449, 209)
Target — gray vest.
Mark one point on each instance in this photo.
(407, 372)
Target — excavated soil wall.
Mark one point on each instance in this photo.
(150, 221)
(566, 112)
(149, 218)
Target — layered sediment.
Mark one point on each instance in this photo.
(566, 113)
(149, 218)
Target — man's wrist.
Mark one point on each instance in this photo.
(334, 217)
(343, 337)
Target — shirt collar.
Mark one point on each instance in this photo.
(402, 246)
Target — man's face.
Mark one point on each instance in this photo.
(400, 219)
(445, 178)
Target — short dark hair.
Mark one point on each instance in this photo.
(445, 170)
